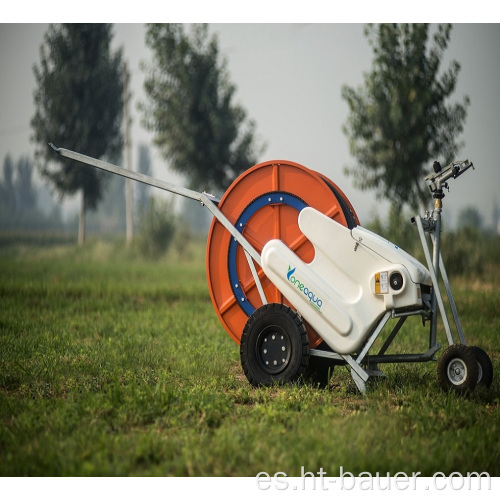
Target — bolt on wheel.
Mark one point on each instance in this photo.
(457, 371)
(274, 346)
(273, 349)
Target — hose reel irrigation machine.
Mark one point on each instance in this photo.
(297, 282)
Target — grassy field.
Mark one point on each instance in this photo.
(115, 366)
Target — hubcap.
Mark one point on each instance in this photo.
(457, 371)
(273, 349)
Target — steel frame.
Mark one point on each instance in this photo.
(362, 365)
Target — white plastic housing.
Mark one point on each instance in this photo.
(342, 292)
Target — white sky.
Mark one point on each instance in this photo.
(288, 78)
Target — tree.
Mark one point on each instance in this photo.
(19, 199)
(198, 128)
(109, 216)
(25, 192)
(7, 189)
(157, 228)
(143, 167)
(18, 196)
(78, 106)
(469, 217)
(401, 120)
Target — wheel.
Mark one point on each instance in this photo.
(274, 346)
(263, 203)
(458, 369)
(485, 366)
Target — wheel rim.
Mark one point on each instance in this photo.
(457, 371)
(273, 349)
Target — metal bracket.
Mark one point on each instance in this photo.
(373, 337)
(256, 278)
(451, 300)
(434, 278)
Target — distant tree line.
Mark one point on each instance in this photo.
(79, 102)
(26, 203)
(19, 199)
(400, 119)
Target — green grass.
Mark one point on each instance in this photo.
(115, 366)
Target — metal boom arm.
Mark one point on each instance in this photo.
(145, 179)
(205, 199)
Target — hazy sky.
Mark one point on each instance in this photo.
(289, 78)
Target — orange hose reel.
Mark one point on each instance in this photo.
(263, 203)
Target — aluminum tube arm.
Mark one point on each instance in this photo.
(206, 199)
(136, 176)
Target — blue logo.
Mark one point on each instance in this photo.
(316, 302)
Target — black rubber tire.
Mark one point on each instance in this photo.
(485, 377)
(458, 369)
(274, 346)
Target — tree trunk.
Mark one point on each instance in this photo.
(128, 161)
(81, 221)
(128, 211)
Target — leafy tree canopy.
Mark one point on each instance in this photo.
(78, 103)
(198, 128)
(401, 119)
